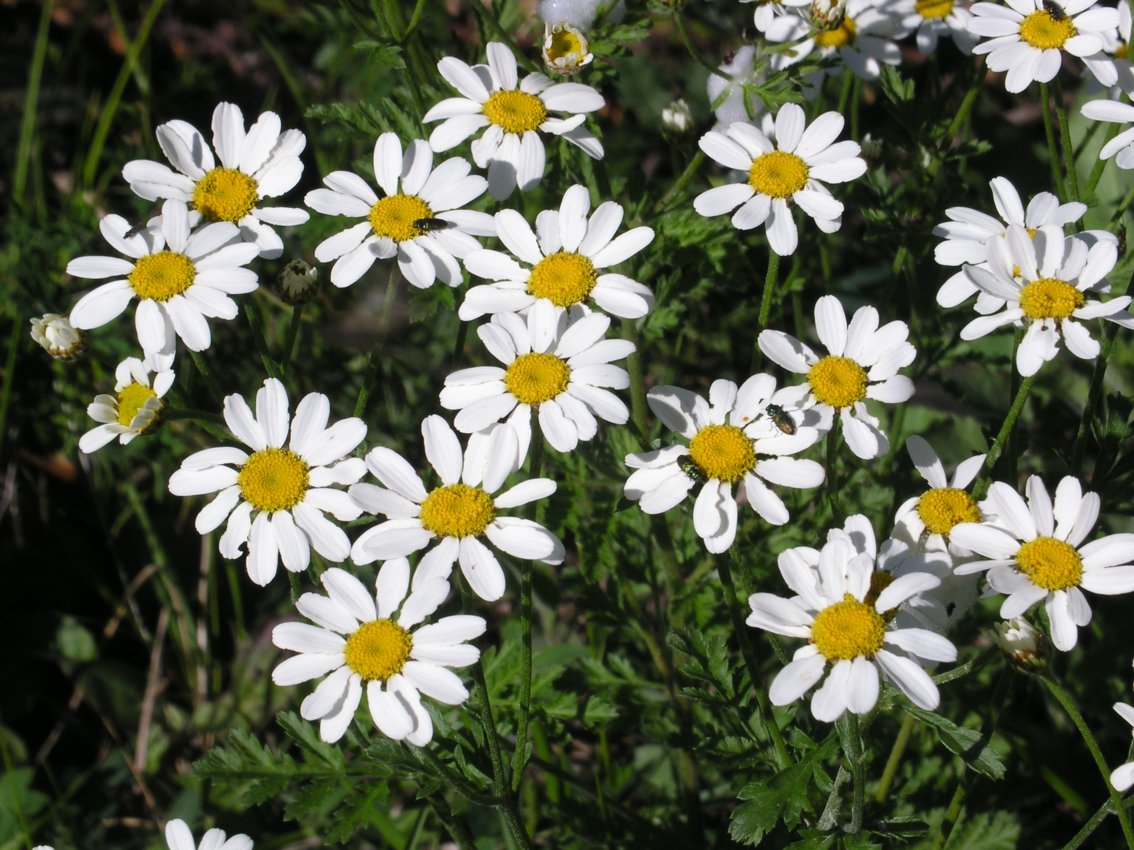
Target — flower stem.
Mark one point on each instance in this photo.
(206, 375)
(683, 34)
(832, 480)
(374, 361)
(1049, 132)
(981, 486)
(1065, 140)
(1100, 165)
(256, 324)
(679, 184)
(1080, 837)
(895, 759)
(850, 735)
(292, 337)
(955, 125)
(637, 383)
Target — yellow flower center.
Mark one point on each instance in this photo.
(1050, 298)
(131, 399)
(377, 650)
(515, 111)
(395, 216)
(273, 480)
(457, 511)
(563, 278)
(840, 36)
(933, 9)
(1122, 51)
(1044, 32)
(943, 507)
(778, 174)
(723, 452)
(1050, 563)
(837, 381)
(535, 378)
(848, 629)
(225, 194)
(567, 43)
(161, 276)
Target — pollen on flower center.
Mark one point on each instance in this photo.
(535, 377)
(933, 9)
(723, 452)
(848, 629)
(273, 480)
(943, 507)
(394, 217)
(837, 381)
(225, 194)
(515, 111)
(778, 174)
(377, 650)
(840, 36)
(563, 278)
(1050, 563)
(131, 399)
(1050, 298)
(162, 275)
(457, 511)
(1044, 32)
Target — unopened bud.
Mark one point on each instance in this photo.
(677, 118)
(55, 334)
(828, 14)
(565, 49)
(298, 282)
(1021, 642)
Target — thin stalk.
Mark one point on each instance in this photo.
(895, 759)
(680, 183)
(832, 481)
(206, 375)
(953, 813)
(691, 48)
(416, 64)
(292, 337)
(981, 486)
(457, 830)
(850, 735)
(1065, 140)
(1014, 387)
(259, 339)
(955, 125)
(1080, 837)
(770, 280)
(1100, 165)
(31, 99)
(416, 829)
(845, 93)
(1049, 132)
(637, 382)
(374, 361)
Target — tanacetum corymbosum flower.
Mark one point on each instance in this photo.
(257, 164)
(178, 837)
(1036, 553)
(859, 33)
(934, 19)
(565, 48)
(403, 222)
(926, 520)
(1116, 112)
(180, 278)
(847, 619)
(55, 334)
(513, 113)
(376, 640)
(275, 497)
(139, 387)
(459, 512)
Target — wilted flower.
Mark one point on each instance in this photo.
(55, 334)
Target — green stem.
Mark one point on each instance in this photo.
(1049, 132)
(259, 339)
(955, 125)
(769, 288)
(374, 361)
(1080, 837)
(207, 376)
(416, 64)
(31, 98)
(1065, 140)
(292, 337)
(895, 759)
(1100, 164)
(637, 383)
(683, 34)
(680, 183)
(832, 482)
(981, 486)
(851, 737)
(1121, 209)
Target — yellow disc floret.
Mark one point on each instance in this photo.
(225, 194)
(515, 111)
(943, 507)
(457, 511)
(131, 399)
(879, 581)
(933, 9)
(841, 36)
(273, 480)
(1050, 563)
(1044, 32)
(778, 174)
(395, 216)
(535, 378)
(563, 278)
(837, 381)
(848, 629)
(161, 276)
(1050, 298)
(377, 650)
(723, 452)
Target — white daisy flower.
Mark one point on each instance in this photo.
(1117, 51)
(288, 489)
(936, 608)
(418, 218)
(863, 363)
(1044, 282)
(178, 837)
(788, 167)
(261, 163)
(139, 387)
(556, 361)
(727, 96)
(180, 278)
(563, 262)
(926, 520)
(1028, 41)
(968, 233)
(513, 111)
(767, 11)
(456, 514)
(377, 640)
(1122, 777)
(935, 19)
(861, 39)
(739, 436)
(54, 333)
(565, 48)
(1121, 147)
(1021, 642)
(848, 623)
(1036, 553)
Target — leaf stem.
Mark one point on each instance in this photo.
(259, 338)
(374, 361)
(683, 34)
(981, 486)
(292, 337)
(1065, 140)
(1049, 132)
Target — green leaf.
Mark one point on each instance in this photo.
(897, 88)
(967, 743)
(783, 797)
(75, 642)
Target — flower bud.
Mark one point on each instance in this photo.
(827, 14)
(298, 282)
(1021, 642)
(565, 48)
(55, 334)
(677, 118)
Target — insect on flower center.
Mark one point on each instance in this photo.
(1050, 563)
(778, 174)
(515, 111)
(394, 217)
(273, 480)
(723, 452)
(225, 194)
(563, 278)
(162, 275)
(1044, 32)
(837, 381)
(131, 399)
(934, 9)
(841, 36)
(377, 650)
(535, 378)
(457, 511)
(1050, 298)
(943, 507)
(848, 629)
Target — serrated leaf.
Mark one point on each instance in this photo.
(897, 88)
(966, 743)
